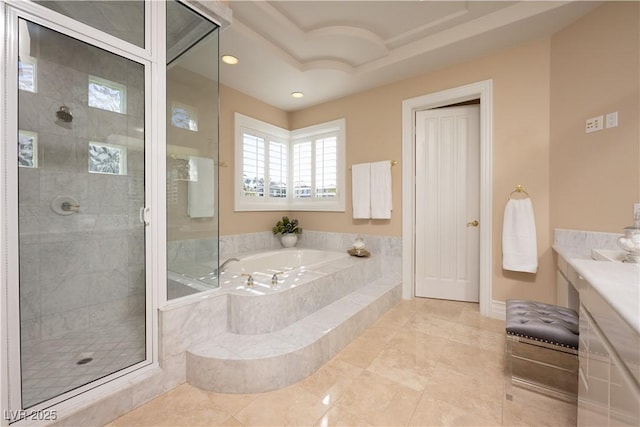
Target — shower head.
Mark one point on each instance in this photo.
(64, 114)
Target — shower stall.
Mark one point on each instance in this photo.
(84, 180)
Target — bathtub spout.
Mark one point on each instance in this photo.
(224, 264)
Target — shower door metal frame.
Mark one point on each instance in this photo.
(152, 58)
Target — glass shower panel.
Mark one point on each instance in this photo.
(122, 19)
(81, 188)
(192, 152)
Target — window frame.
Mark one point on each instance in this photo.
(269, 132)
(313, 134)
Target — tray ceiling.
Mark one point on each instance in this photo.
(330, 49)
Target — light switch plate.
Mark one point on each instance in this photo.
(594, 124)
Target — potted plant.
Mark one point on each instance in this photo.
(288, 229)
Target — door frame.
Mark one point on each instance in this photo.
(482, 90)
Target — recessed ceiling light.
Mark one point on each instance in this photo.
(229, 59)
(297, 94)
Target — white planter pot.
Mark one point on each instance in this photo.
(289, 240)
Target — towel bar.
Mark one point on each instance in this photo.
(519, 189)
(393, 163)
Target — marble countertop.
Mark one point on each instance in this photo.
(618, 283)
(569, 253)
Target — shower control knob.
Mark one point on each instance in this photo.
(65, 205)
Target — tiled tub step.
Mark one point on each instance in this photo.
(233, 363)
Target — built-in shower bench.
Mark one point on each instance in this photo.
(252, 363)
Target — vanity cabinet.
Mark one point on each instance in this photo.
(593, 379)
(623, 398)
(608, 392)
(609, 347)
(566, 286)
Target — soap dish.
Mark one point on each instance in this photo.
(361, 253)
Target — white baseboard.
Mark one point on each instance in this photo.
(498, 310)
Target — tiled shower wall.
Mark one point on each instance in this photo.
(87, 268)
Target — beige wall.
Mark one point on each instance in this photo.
(521, 147)
(373, 133)
(232, 101)
(595, 71)
(523, 100)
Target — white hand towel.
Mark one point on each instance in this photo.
(519, 247)
(361, 190)
(200, 191)
(381, 197)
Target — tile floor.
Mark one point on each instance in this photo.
(424, 363)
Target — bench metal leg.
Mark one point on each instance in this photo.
(514, 347)
(508, 372)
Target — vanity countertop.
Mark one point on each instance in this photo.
(618, 283)
(570, 253)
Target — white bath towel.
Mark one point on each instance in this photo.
(361, 190)
(381, 197)
(519, 247)
(201, 191)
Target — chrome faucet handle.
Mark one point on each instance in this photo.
(274, 278)
(249, 279)
(69, 207)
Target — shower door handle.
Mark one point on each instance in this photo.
(144, 215)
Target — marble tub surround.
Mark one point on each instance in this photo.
(243, 338)
(267, 307)
(280, 334)
(234, 244)
(388, 249)
(205, 251)
(186, 323)
(254, 363)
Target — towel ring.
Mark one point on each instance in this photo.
(518, 189)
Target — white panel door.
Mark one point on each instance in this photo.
(448, 203)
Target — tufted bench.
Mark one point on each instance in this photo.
(541, 348)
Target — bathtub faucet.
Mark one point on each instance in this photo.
(274, 278)
(224, 264)
(249, 279)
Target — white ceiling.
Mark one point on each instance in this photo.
(329, 49)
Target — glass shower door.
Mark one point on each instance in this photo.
(81, 172)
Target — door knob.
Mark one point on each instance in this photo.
(473, 223)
